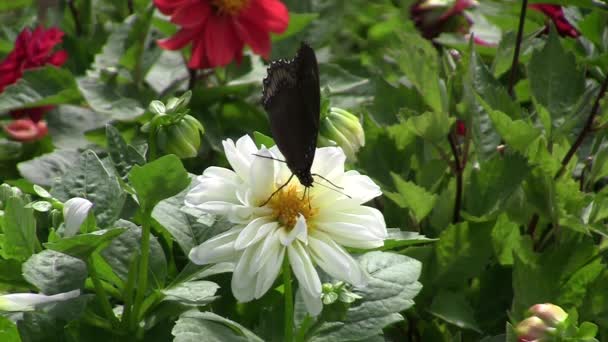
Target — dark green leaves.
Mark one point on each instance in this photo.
(19, 227)
(53, 272)
(194, 325)
(160, 179)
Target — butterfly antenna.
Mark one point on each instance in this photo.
(334, 189)
(277, 190)
(268, 157)
(328, 181)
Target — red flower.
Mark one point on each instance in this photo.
(461, 128)
(556, 14)
(219, 29)
(26, 130)
(32, 49)
(433, 17)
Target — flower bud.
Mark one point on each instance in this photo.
(75, 211)
(29, 301)
(182, 138)
(551, 314)
(343, 129)
(26, 130)
(531, 329)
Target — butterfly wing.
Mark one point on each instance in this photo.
(292, 100)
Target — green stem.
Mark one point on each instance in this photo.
(142, 282)
(102, 297)
(128, 294)
(288, 301)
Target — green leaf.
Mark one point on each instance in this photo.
(15, 4)
(123, 156)
(122, 249)
(90, 179)
(555, 80)
(431, 126)
(8, 330)
(462, 252)
(45, 169)
(83, 245)
(192, 292)
(392, 285)
(104, 99)
(68, 125)
(400, 239)
(53, 272)
(163, 178)
(194, 326)
(19, 230)
(262, 139)
(414, 197)
(418, 60)
(189, 227)
(518, 134)
(455, 309)
(40, 87)
(506, 239)
(116, 45)
(346, 90)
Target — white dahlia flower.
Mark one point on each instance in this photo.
(311, 230)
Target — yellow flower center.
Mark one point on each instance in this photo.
(289, 203)
(230, 7)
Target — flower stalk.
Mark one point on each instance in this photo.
(142, 282)
(520, 34)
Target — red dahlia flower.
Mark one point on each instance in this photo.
(32, 49)
(556, 13)
(219, 29)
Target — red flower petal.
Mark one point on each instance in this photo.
(272, 13)
(254, 36)
(178, 41)
(169, 6)
(198, 60)
(221, 40)
(58, 58)
(26, 130)
(192, 15)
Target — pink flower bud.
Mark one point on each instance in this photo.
(551, 314)
(531, 329)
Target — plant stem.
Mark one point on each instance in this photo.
(288, 301)
(76, 17)
(458, 173)
(130, 6)
(102, 298)
(142, 282)
(192, 80)
(520, 34)
(586, 129)
(128, 294)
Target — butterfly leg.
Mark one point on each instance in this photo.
(277, 190)
(267, 157)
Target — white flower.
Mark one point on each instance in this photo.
(311, 230)
(75, 211)
(29, 301)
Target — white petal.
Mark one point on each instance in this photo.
(220, 173)
(261, 177)
(299, 231)
(217, 249)
(211, 189)
(361, 188)
(265, 251)
(216, 207)
(313, 303)
(329, 162)
(334, 260)
(368, 217)
(28, 301)
(350, 234)
(75, 211)
(270, 269)
(303, 269)
(247, 235)
(244, 278)
(240, 155)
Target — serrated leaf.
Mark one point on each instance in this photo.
(40, 87)
(346, 90)
(83, 245)
(19, 224)
(506, 239)
(163, 178)
(416, 198)
(195, 326)
(518, 134)
(123, 157)
(555, 80)
(192, 292)
(418, 60)
(90, 179)
(392, 285)
(53, 272)
(431, 126)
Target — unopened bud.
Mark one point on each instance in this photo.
(531, 329)
(551, 314)
(182, 138)
(343, 129)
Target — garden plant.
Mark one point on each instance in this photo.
(440, 171)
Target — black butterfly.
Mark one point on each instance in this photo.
(292, 99)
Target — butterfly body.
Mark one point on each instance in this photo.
(292, 99)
